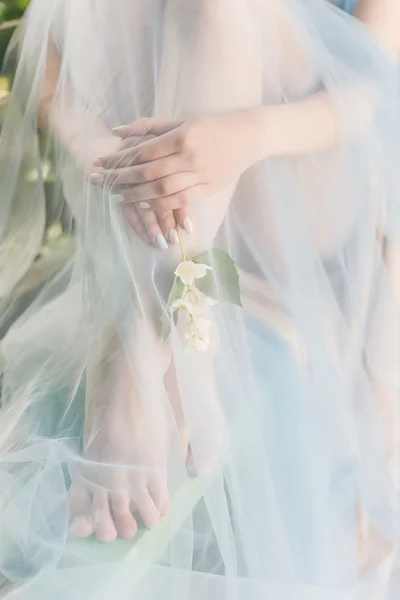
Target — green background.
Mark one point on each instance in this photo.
(57, 245)
(10, 11)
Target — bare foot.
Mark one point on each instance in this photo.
(124, 475)
(125, 482)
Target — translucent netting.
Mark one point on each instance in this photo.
(273, 456)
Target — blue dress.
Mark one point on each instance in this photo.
(348, 5)
(279, 519)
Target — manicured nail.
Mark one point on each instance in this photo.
(188, 225)
(161, 242)
(173, 236)
(144, 205)
(97, 163)
(116, 198)
(97, 178)
(118, 129)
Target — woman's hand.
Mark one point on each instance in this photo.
(154, 230)
(184, 162)
(144, 223)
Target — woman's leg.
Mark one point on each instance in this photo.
(120, 428)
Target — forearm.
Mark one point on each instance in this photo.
(63, 113)
(314, 124)
(382, 18)
(81, 134)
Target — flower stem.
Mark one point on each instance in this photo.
(183, 253)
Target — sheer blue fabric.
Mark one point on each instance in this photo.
(348, 5)
(267, 466)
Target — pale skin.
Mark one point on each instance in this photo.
(180, 163)
(190, 160)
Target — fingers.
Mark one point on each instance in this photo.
(121, 168)
(170, 143)
(155, 230)
(124, 147)
(183, 220)
(182, 199)
(145, 225)
(167, 224)
(146, 125)
(133, 141)
(161, 228)
(172, 184)
(132, 216)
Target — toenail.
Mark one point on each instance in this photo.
(79, 527)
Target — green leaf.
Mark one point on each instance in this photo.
(175, 293)
(222, 283)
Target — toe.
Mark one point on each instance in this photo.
(146, 508)
(80, 512)
(160, 496)
(82, 526)
(124, 521)
(104, 525)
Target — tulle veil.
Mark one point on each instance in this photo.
(279, 444)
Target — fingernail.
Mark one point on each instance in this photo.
(116, 198)
(188, 225)
(97, 163)
(117, 129)
(144, 205)
(173, 236)
(97, 178)
(161, 242)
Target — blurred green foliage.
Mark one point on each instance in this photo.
(12, 9)
(10, 12)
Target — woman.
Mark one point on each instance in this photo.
(238, 420)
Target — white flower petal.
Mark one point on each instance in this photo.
(198, 301)
(197, 336)
(196, 344)
(200, 345)
(184, 319)
(188, 271)
(180, 304)
(185, 272)
(200, 327)
(200, 270)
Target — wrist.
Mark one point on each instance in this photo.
(264, 127)
(270, 132)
